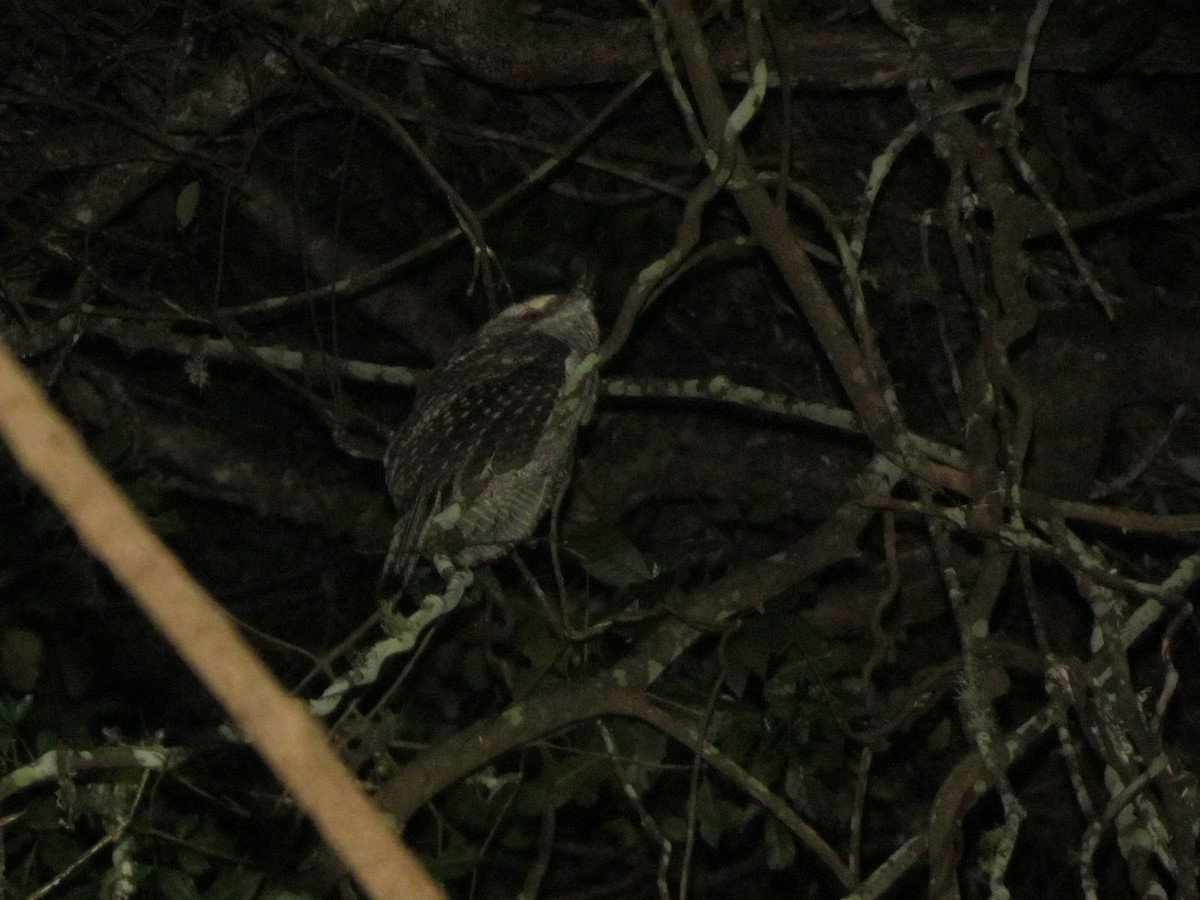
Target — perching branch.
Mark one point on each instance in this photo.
(291, 742)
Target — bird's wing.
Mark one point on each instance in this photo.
(479, 416)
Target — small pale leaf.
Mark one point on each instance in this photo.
(186, 204)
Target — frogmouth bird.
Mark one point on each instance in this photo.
(489, 444)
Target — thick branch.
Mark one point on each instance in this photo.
(492, 43)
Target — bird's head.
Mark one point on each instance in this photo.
(568, 317)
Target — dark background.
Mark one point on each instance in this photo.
(181, 184)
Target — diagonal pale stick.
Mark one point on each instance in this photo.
(288, 738)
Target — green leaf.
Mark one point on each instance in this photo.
(212, 840)
(575, 780)
(779, 845)
(457, 860)
(13, 709)
(234, 884)
(811, 796)
(714, 816)
(642, 748)
(192, 862)
(175, 885)
(542, 649)
(579, 781)
(186, 204)
(608, 555)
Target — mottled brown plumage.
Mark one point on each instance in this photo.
(488, 446)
